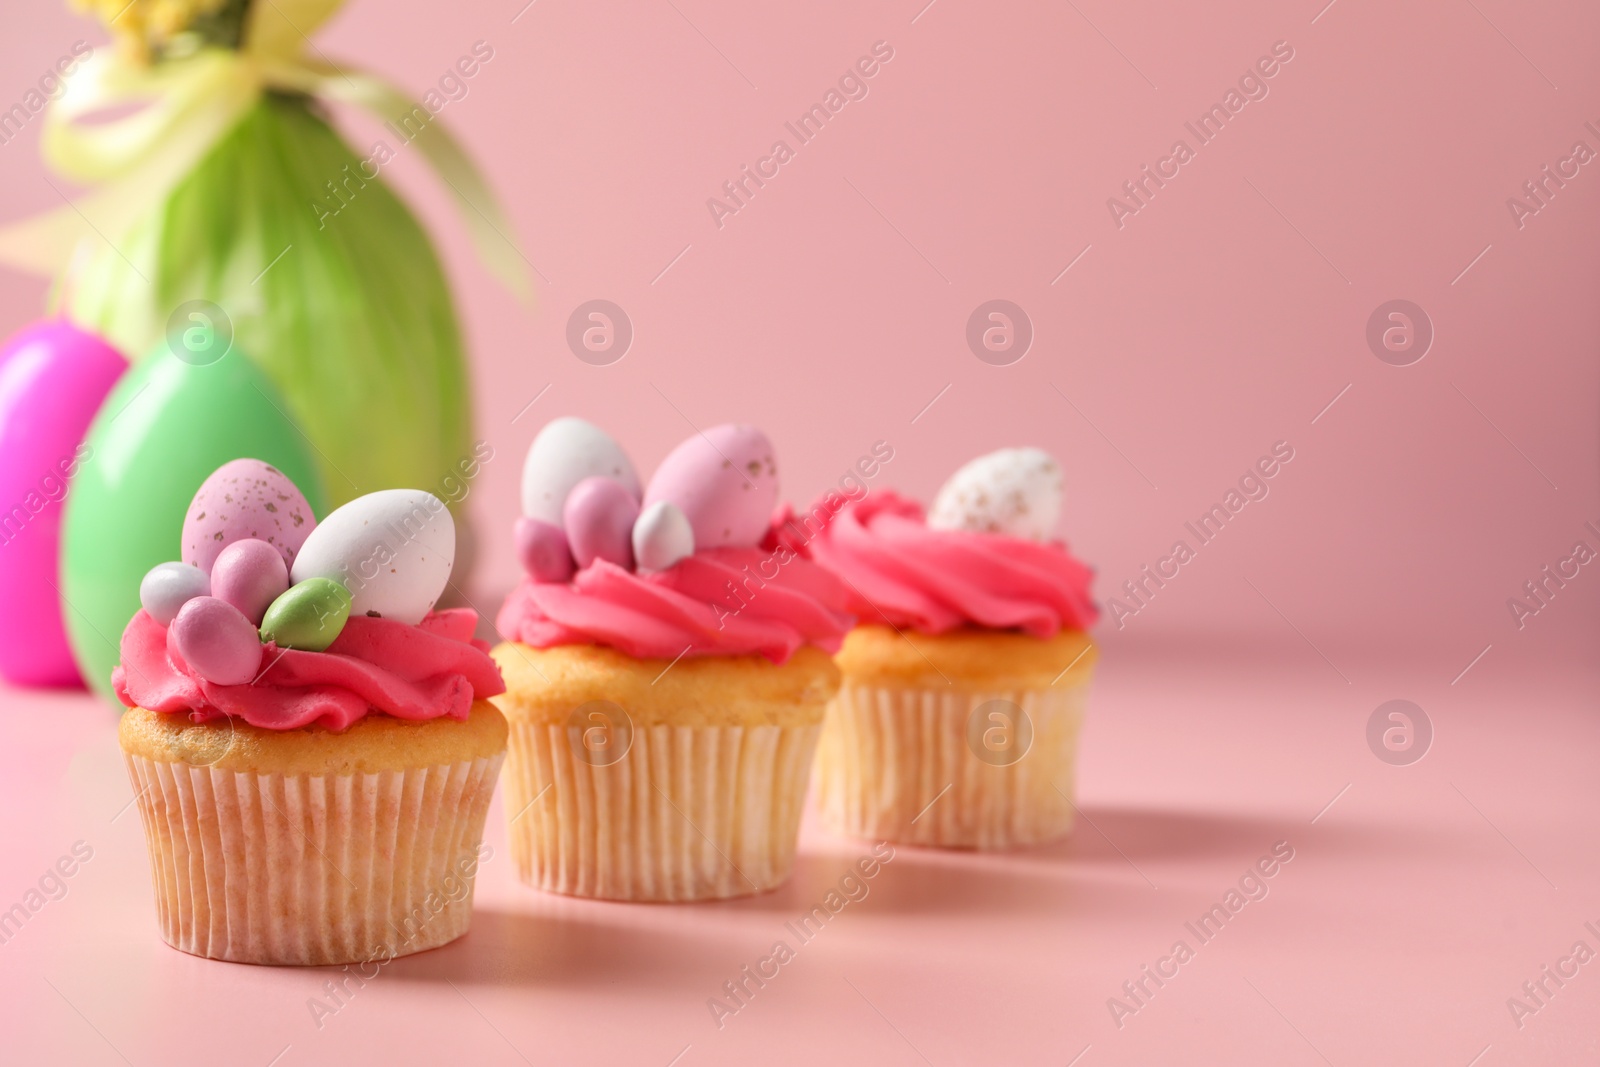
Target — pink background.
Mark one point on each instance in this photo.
(1223, 317)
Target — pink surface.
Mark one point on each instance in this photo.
(1418, 900)
(1166, 356)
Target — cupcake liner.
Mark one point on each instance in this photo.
(312, 869)
(899, 764)
(687, 813)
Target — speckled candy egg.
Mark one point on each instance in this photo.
(245, 498)
(393, 550)
(565, 452)
(725, 481)
(1015, 491)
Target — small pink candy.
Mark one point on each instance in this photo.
(215, 639)
(599, 516)
(542, 548)
(250, 575)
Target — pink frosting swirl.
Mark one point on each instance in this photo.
(900, 571)
(429, 671)
(720, 602)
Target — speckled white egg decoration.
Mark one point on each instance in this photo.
(1015, 491)
(392, 549)
(565, 452)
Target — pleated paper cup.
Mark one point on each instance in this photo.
(275, 867)
(927, 744)
(898, 764)
(650, 780)
(689, 813)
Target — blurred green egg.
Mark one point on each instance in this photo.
(168, 424)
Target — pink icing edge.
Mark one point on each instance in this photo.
(433, 670)
(688, 609)
(900, 571)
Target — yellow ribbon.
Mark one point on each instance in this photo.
(181, 107)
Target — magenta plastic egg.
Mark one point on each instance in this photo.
(53, 379)
(599, 515)
(245, 498)
(543, 550)
(725, 481)
(250, 575)
(217, 640)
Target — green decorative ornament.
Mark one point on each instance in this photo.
(169, 423)
(338, 298)
(227, 211)
(308, 615)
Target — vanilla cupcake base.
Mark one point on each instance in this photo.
(688, 786)
(923, 745)
(895, 765)
(305, 847)
(689, 813)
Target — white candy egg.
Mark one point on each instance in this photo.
(565, 452)
(1015, 491)
(392, 549)
(661, 537)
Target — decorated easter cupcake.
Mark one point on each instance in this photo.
(964, 685)
(666, 676)
(310, 745)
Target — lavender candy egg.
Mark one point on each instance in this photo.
(250, 575)
(725, 481)
(167, 587)
(245, 498)
(599, 516)
(215, 639)
(661, 537)
(543, 550)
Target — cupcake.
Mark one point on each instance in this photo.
(666, 676)
(964, 686)
(310, 743)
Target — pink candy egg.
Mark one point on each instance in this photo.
(245, 498)
(599, 515)
(725, 481)
(215, 638)
(250, 575)
(543, 550)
